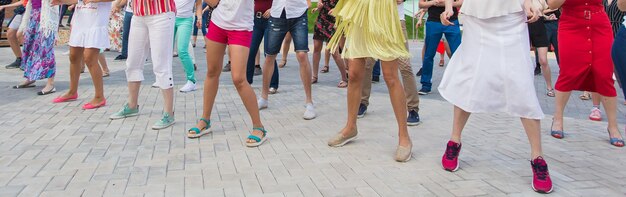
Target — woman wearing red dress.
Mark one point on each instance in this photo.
(585, 39)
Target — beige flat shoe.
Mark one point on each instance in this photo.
(340, 140)
(403, 154)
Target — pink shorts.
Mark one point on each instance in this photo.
(229, 37)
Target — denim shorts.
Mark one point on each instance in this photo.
(278, 28)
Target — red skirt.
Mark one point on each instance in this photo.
(585, 40)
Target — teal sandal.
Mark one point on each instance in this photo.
(196, 132)
(258, 140)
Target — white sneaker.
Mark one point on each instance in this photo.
(263, 103)
(189, 86)
(155, 85)
(309, 113)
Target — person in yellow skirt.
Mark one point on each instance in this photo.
(372, 30)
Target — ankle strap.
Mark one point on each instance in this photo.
(260, 129)
(208, 122)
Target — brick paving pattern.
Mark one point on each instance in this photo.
(61, 150)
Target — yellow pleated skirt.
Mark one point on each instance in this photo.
(372, 29)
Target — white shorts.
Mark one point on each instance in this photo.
(15, 22)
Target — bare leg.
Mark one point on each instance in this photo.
(398, 100)
(560, 102)
(327, 57)
(285, 49)
(133, 93)
(533, 131)
(545, 67)
(305, 74)
(49, 84)
(14, 43)
(103, 63)
(76, 62)
(317, 55)
(596, 98)
(238, 72)
(91, 56)
(340, 65)
(214, 58)
(355, 84)
(268, 70)
(257, 59)
(610, 106)
(458, 123)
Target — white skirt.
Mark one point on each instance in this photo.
(91, 37)
(491, 71)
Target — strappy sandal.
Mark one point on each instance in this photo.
(556, 133)
(314, 80)
(258, 141)
(342, 84)
(550, 93)
(618, 142)
(585, 96)
(325, 69)
(196, 132)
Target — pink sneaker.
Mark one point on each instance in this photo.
(450, 160)
(541, 177)
(596, 114)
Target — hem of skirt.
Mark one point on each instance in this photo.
(470, 110)
(606, 95)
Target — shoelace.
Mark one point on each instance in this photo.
(541, 169)
(452, 152)
(165, 118)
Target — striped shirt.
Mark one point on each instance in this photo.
(615, 15)
(152, 7)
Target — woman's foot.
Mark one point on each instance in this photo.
(441, 63)
(25, 84)
(615, 138)
(257, 137)
(105, 73)
(550, 92)
(47, 90)
(342, 84)
(203, 127)
(325, 69)
(66, 98)
(314, 80)
(404, 152)
(95, 103)
(541, 177)
(596, 114)
(283, 63)
(342, 138)
(450, 159)
(556, 129)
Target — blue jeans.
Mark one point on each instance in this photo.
(434, 32)
(259, 32)
(205, 15)
(279, 28)
(376, 69)
(128, 16)
(619, 56)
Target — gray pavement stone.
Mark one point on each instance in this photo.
(61, 150)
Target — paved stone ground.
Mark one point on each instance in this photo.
(60, 150)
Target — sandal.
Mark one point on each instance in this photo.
(550, 93)
(258, 140)
(556, 133)
(441, 63)
(314, 80)
(106, 74)
(585, 96)
(342, 84)
(618, 142)
(325, 69)
(41, 93)
(283, 63)
(196, 132)
(27, 85)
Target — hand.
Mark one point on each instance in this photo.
(551, 17)
(319, 6)
(330, 12)
(56, 2)
(532, 13)
(90, 1)
(419, 23)
(115, 9)
(199, 22)
(71, 7)
(445, 17)
(267, 14)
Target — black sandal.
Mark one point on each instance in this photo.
(28, 85)
(41, 93)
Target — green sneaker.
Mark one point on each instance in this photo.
(125, 112)
(165, 122)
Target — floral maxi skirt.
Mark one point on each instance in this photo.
(38, 51)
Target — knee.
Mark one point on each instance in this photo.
(391, 80)
(302, 56)
(239, 81)
(213, 73)
(356, 76)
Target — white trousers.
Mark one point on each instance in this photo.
(154, 34)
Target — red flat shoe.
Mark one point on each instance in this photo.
(90, 106)
(62, 100)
